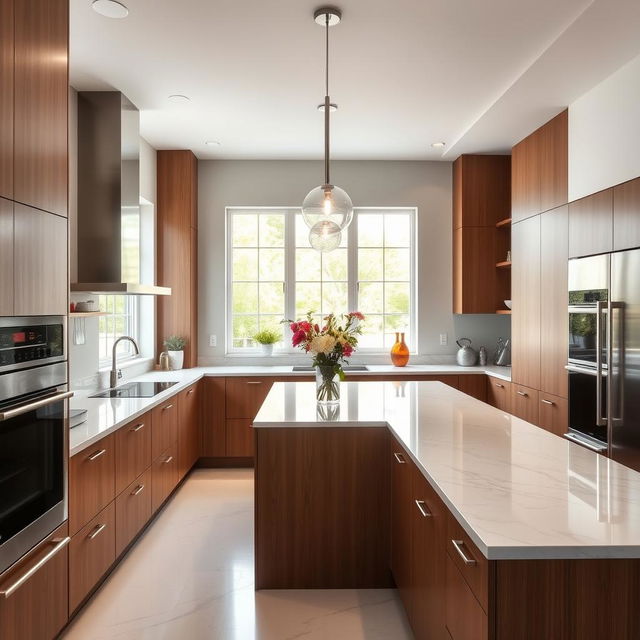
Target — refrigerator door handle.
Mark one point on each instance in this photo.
(601, 420)
(616, 392)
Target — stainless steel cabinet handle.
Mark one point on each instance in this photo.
(399, 458)
(138, 427)
(97, 531)
(523, 394)
(254, 382)
(458, 545)
(137, 490)
(96, 455)
(500, 386)
(168, 460)
(169, 406)
(585, 443)
(547, 402)
(422, 508)
(32, 406)
(59, 543)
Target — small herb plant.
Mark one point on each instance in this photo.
(267, 336)
(175, 343)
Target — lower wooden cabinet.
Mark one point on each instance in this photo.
(92, 551)
(189, 431)
(474, 385)
(164, 426)
(133, 510)
(524, 403)
(239, 438)
(465, 618)
(499, 393)
(553, 413)
(164, 476)
(39, 607)
(133, 450)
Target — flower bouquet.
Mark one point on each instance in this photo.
(330, 346)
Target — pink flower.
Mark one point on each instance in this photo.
(316, 328)
(298, 337)
(293, 326)
(305, 326)
(357, 314)
(347, 350)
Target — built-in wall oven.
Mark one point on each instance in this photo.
(33, 432)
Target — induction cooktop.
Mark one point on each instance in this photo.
(136, 390)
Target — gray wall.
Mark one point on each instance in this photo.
(425, 185)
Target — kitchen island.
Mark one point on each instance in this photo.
(489, 526)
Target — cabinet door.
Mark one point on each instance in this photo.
(6, 257)
(189, 403)
(164, 427)
(41, 104)
(474, 385)
(554, 316)
(6, 98)
(245, 395)
(553, 413)
(240, 438)
(474, 270)
(213, 420)
(525, 318)
(465, 618)
(40, 262)
(133, 451)
(524, 403)
(591, 224)
(164, 476)
(133, 510)
(499, 394)
(39, 608)
(553, 161)
(626, 215)
(525, 178)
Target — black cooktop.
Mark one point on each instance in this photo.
(136, 390)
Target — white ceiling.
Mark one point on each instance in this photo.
(478, 74)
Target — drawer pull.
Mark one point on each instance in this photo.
(169, 406)
(190, 391)
(96, 455)
(138, 427)
(500, 386)
(458, 544)
(399, 458)
(254, 382)
(59, 543)
(168, 460)
(137, 490)
(547, 402)
(523, 394)
(97, 531)
(422, 508)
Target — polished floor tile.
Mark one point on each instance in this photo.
(190, 577)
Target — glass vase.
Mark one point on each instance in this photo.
(399, 351)
(327, 385)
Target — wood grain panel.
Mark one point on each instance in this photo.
(525, 178)
(322, 508)
(133, 510)
(244, 396)
(164, 426)
(6, 98)
(189, 428)
(591, 224)
(554, 162)
(91, 482)
(164, 476)
(40, 607)
(133, 451)
(40, 263)
(474, 385)
(41, 104)
(626, 215)
(213, 420)
(464, 616)
(525, 318)
(499, 393)
(239, 434)
(6, 257)
(553, 413)
(177, 248)
(554, 315)
(525, 403)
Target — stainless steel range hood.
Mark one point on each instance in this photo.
(108, 189)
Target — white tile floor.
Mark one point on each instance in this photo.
(190, 577)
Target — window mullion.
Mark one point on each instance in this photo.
(289, 270)
(352, 263)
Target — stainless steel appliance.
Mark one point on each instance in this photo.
(604, 354)
(33, 433)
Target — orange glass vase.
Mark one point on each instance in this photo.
(399, 351)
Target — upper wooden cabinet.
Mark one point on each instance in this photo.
(6, 98)
(626, 215)
(539, 170)
(41, 87)
(591, 224)
(6, 257)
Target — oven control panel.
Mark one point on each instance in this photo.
(22, 343)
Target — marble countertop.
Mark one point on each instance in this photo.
(106, 415)
(518, 491)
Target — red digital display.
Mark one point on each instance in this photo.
(19, 337)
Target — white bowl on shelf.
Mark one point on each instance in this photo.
(507, 303)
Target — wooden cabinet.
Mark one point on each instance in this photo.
(553, 413)
(499, 393)
(41, 88)
(133, 451)
(213, 420)
(473, 385)
(164, 476)
(6, 254)
(164, 427)
(626, 215)
(91, 482)
(525, 179)
(239, 438)
(245, 395)
(133, 510)
(525, 318)
(189, 432)
(6, 97)
(554, 315)
(524, 403)
(92, 551)
(40, 262)
(465, 618)
(591, 224)
(39, 608)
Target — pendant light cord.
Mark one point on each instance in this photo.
(327, 107)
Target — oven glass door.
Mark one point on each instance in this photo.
(582, 405)
(583, 336)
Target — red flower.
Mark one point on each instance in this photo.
(293, 326)
(357, 314)
(316, 328)
(298, 337)
(347, 350)
(305, 326)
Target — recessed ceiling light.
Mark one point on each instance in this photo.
(213, 143)
(332, 107)
(110, 8)
(178, 98)
(438, 145)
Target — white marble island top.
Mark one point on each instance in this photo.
(518, 491)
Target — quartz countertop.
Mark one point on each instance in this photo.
(517, 490)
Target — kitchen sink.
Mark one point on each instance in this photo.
(349, 367)
(135, 390)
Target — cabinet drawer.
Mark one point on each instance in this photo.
(91, 552)
(499, 393)
(39, 607)
(164, 476)
(471, 564)
(464, 616)
(133, 451)
(91, 482)
(524, 403)
(240, 438)
(244, 396)
(133, 510)
(164, 426)
(553, 413)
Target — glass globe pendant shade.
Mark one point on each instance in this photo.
(329, 203)
(325, 235)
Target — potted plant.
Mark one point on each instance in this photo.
(266, 338)
(175, 348)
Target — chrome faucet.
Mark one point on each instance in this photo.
(116, 374)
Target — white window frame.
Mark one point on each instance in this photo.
(133, 330)
(289, 275)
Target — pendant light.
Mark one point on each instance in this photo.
(327, 209)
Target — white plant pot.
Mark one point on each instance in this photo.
(176, 359)
(267, 349)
